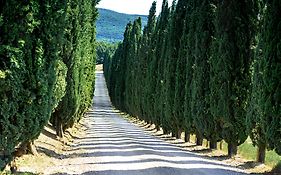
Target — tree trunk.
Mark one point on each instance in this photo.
(13, 167)
(221, 143)
(186, 136)
(27, 147)
(207, 144)
(157, 128)
(232, 150)
(199, 140)
(31, 148)
(21, 150)
(261, 153)
(178, 134)
(149, 124)
(213, 144)
(59, 127)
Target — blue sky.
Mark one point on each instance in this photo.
(140, 7)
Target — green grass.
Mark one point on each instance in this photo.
(248, 151)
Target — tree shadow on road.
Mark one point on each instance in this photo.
(158, 171)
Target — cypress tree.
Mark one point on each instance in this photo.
(105, 52)
(79, 56)
(123, 68)
(255, 125)
(188, 51)
(271, 56)
(148, 91)
(48, 51)
(175, 35)
(137, 38)
(30, 39)
(113, 72)
(181, 71)
(132, 66)
(166, 117)
(153, 68)
(204, 122)
(162, 31)
(144, 62)
(230, 63)
(264, 111)
(88, 55)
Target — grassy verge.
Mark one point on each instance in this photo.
(248, 151)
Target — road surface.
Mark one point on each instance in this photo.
(113, 146)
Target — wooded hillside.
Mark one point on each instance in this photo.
(111, 24)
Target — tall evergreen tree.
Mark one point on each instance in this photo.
(271, 67)
(162, 32)
(166, 117)
(145, 60)
(132, 66)
(30, 39)
(149, 90)
(120, 87)
(188, 51)
(113, 71)
(230, 63)
(203, 120)
(79, 56)
(177, 26)
(264, 115)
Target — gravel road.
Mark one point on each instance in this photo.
(113, 146)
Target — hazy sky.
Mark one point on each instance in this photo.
(140, 7)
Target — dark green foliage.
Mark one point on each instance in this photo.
(204, 122)
(132, 66)
(265, 109)
(152, 59)
(188, 52)
(30, 39)
(79, 55)
(60, 83)
(112, 74)
(104, 51)
(176, 68)
(254, 120)
(110, 24)
(160, 53)
(118, 66)
(190, 70)
(271, 68)
(147, 49)
(47, 50)
(230, 75)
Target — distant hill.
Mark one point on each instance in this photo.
(111, 25)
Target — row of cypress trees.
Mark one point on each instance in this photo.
(46, 68)
(210, 68)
